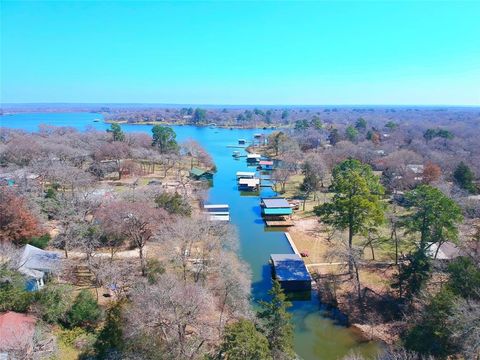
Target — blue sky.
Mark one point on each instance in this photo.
(241, 52)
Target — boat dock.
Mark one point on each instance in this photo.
(217, 212)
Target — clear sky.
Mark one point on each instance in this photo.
(241, 52)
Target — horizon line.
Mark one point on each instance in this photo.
(229, 105)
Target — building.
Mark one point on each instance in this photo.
(16, 335)
(245, 175)
(217, 212)
(265, 165)
(200, 174)
(291, 272)
(275, 206)
(447, 251)
(253, 158)
(37, 265)
(248, 184)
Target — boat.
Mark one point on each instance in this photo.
(236, 154)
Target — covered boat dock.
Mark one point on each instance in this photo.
(291, 272)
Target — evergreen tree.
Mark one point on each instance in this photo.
(413, 274)
(464, 278)
(84, 311)
(351, 133)
(361, 124)
(110, 339)
(277, 323)
(432, 334)
(164, 139)
(464, 178)
(243, 341)
(357, 204)
(334, 137)
(199, 116)
(173, 203)
(117, 132)
(435, 216)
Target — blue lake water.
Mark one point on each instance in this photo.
(316, 336)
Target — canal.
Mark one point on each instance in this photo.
(316, 335)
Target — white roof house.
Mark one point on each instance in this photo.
(447, 251)
(36, 263)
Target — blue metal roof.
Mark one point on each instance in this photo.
(290, 267)
(278, 211)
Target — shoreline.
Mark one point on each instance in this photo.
(168, 123)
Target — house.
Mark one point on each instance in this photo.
(217, 212)
(416, 170)
(37, 265)
(16, 335)
(291, 272)
(200, 174)
(265, 165)
(253, 158)
(275, 206)
(447, 251)
(248, 184)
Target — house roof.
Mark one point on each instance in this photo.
(35, 262)
(198, 172)
(16, 331)
(278, 211)
(245, 174)
(249, 182)
(447, 251)
(290, 267)
(266, 162)
(275, 203)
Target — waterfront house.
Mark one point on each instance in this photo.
(217, 212)
(200, 174)
(291, 272)
(37, 265)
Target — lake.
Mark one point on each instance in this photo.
(316, 336)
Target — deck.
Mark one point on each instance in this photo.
(279, 223)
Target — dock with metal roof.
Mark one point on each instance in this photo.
(291, 272)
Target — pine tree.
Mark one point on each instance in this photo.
(243, 341)
(277, 323)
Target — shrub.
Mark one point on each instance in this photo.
(54, 301)
(13, 296)
(110, 338)
(173, 203)
(154, 269)
(41, 241)
(85, 311)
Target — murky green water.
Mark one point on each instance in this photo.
(316, 336)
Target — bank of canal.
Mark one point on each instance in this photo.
(316, 336)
